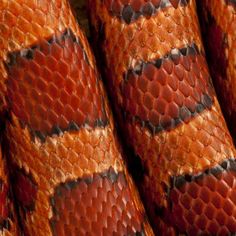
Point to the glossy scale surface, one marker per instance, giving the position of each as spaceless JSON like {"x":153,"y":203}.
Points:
{"x":156,"y":72}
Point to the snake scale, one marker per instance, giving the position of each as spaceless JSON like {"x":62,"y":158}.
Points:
{"x":65,"y":161}
{"x":218,"y":24}
{"x":153,"y":61}
{"x":67,"y":172}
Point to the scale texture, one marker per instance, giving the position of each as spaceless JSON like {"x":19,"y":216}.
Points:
{"x":218,"y":23}
{"x":68,"y":174}
{"x":8,"y":221}
{"x":155,"y":69}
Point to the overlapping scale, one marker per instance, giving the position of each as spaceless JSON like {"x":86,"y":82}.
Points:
{"x":65,"y":159}
{"x":168,"y":113}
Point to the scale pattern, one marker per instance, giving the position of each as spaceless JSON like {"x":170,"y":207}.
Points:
{"x":156,"y":72}
{"x":218,"y":23}
{"x":68,"y":174}
{"x":8,"y":221}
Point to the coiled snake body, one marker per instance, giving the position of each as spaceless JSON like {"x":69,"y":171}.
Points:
{"x":66,"y":163}
{"x":155,"y":68}
{"x":218,"y":23}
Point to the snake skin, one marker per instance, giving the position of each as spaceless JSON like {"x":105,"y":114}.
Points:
{"x":68,"y":174}
{"x":80,"y":11}
{"x":218,"y":24}
{"x":8,"y":221}
{"x":154,"y":63}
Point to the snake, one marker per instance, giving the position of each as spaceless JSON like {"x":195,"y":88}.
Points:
{"x":65,"y":161}
{"x":153,"y":62}
{"x":8,"y":218}
{"x":218,"y":22}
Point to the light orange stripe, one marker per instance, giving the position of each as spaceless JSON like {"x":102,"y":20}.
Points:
{"x":188,"y":149}
{"x":146,"y":39}
{"x":58,"y":160}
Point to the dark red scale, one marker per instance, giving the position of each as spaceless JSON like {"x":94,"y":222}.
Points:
{"x":50,"y":94}
{"x":96,"y":205}
{"x":205,"y":203}
{"x":25,"y":190}
{"x":169,"y":91}
{"x":216,"y":50}
{"x":4,"y":201}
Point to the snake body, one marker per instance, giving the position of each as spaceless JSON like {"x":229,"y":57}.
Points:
{"x":8,"y":220}
{"x":154,"y":63}
{"x":218,"y":23}
{"x":68,"y":174}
